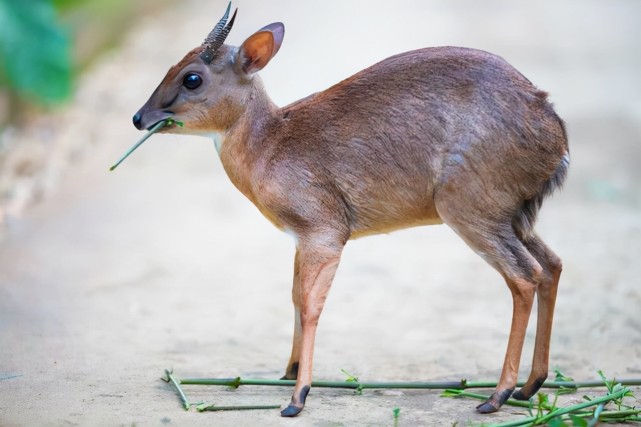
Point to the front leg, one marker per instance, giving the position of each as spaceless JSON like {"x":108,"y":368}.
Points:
{"x":314,"y":272}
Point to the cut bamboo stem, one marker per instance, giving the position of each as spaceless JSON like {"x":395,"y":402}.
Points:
{"x":511,"y":402}
{"x":176,"y":384}
{"x":452,"y":389}
{"x":236,"y":382}
{"x":213,"y":407}
{"x":457,"y":385}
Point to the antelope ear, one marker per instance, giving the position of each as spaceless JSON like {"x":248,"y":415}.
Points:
{"x":260,"y":48}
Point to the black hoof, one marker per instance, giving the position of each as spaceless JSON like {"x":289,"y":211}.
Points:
{"x":529,"y":390}
{"x":297,"y":404}
{"x":520,"y":395}
{"x":291,"y":411}
{"x":487,"y":408}
{"x":291,"y":373}
{"x":495,"y":401}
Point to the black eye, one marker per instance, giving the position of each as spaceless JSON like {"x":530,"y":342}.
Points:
{"x":192,"y":81}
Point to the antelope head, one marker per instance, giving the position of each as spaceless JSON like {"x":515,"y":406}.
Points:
{"x":210,"y":88}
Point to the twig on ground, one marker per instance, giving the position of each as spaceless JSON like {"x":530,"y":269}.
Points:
{"x":444,"y":385}
{"x":213,"y":407}
{"x":176,"y":384}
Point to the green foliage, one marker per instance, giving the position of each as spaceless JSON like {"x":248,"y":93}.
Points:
{"x":353,"y":379}
{"x":35,"y":60}
{"x":614,"y":387}
{"x":170,"y":121}
{"x":66,"y":4}
{"x":561,"y":377}
{"x":350,"y":378}
{"x":396,"y":412}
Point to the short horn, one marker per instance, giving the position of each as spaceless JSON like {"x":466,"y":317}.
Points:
{"x":218,"y":28}
{"x":217,"y":36}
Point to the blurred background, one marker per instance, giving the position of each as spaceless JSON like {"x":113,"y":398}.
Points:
{"x":163,"y":263}
{"x":45,"y":47}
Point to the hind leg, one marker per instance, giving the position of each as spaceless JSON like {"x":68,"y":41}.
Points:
{"x":546,"y":298}
{"x":493,"y":238}
{"x":291,"y":372}
{"x":521,"y":275}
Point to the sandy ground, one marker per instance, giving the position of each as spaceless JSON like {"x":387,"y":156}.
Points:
{"x":163,"y":264}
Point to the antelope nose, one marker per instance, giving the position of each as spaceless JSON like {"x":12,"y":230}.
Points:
{"x":137,"y":121}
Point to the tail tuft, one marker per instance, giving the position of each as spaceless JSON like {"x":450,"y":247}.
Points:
{"x":524,"y":222}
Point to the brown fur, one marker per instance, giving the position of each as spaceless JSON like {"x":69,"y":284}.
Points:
{"x":435,"y":135}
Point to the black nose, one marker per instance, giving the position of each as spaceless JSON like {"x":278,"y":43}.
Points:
{"x":137,"y":120}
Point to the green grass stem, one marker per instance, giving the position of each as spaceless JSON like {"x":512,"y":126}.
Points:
{"x":213,"y":407}
{"x":236,"y":382}
{"x":511,"y":402}
{"x":560,"y":412}
{"x":155,"y":128}
{"x":176,"y":383}
{"x":457,"y":385}
{"x":451,"y":389}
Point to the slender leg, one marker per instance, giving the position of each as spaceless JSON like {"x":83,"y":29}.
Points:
{"x":490,"y":234}
{"x":546,"y":298}
{"x":291,"y":372}
{"x":523,"y":298}
{"x":316,"y":269}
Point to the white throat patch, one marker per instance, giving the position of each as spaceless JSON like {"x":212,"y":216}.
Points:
{"x":218,"y":138}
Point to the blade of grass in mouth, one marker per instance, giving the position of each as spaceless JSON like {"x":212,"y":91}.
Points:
{"x":155,"y":128}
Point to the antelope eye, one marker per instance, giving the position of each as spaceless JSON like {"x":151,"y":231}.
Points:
{"x":192,"y":81}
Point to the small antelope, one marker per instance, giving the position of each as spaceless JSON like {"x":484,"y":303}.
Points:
{"x":437,"y":135}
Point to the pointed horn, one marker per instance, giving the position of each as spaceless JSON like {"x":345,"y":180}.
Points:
{"x":218,"y":28}
{"x":220,"y":38}
{"x":217,"y":36}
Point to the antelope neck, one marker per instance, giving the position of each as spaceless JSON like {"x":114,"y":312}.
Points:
{"x":259,"y":108}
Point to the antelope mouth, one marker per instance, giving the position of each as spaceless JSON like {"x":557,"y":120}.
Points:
{"x":148,"y":119}
{"x":157,"y":117}
{"x":169,"y":123}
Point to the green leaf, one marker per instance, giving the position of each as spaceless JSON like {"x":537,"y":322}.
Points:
{"x":561,"y":377}
{"x":565,"y":390}
{"x":578,"y":421}
{"x":170,"y":121}
{"x":35,"y":58}
{"x":543,"y":399}
{"x":236,"y":383}
{"x":557,"y":422}
{"x":609,"y":384}
{"x":350,"y":378}
{"x":451,"y":393}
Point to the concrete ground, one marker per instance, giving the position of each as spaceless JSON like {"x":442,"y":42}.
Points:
{"x":163,"y":264}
